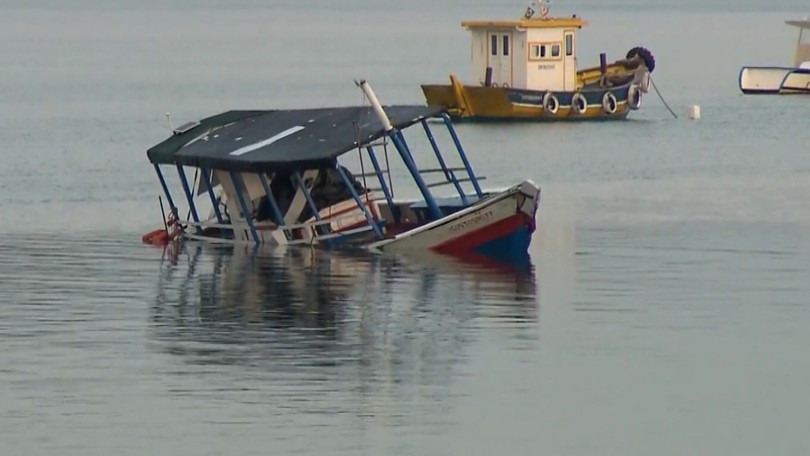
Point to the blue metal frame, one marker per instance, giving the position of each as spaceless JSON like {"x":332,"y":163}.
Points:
{"x":172,"y":207}
{"x":448,"y":174}
{"x":271,"y":201}
{"x":388,"y":196}
{"x":463,"y":156}
{"x":190,"y":198}
{"x":299,"y":181}
{"x":211,"y":194}
{"x":405,"y":153}
{"x":214,"y":201}
{"x":360,"y":204}
{"x":237,"y":185}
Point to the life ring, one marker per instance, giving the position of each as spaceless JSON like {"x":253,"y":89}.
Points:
{"x":634,"y":96}
{"x":609,"y":103}
{"x":148,"y":237}
{"x":579,"y":104}
{"x":550,"y":103}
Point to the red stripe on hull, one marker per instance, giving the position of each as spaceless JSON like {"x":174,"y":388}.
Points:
{"x":488,"y":233}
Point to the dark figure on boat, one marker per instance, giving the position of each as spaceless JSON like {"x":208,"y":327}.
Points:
{"x":327,"y":190}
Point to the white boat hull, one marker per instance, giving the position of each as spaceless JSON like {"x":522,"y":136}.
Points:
{"x":774,"y":80}
{"x":500,"y":225}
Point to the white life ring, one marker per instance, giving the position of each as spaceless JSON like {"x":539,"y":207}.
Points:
{"x":634,"y":96}
{"x":579,"y":104}
{"x":609,"y":103}
{"x":550,"y":103}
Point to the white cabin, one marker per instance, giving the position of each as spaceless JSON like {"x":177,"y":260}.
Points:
{"x":535,"y":54}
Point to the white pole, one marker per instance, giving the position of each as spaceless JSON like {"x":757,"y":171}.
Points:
{"x":375,"y":104}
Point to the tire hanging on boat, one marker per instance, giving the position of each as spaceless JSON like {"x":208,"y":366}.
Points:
{"x":645,"y":54}
{"x":550,"y":103}
{"x":579,"y":104}
{"x":634,"y":96}
{"x":609,"y":103}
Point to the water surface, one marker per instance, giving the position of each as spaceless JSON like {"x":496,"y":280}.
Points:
{"x":663,"y":312}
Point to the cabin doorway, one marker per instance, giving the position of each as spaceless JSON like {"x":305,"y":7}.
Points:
{"x":570,"y":62}
{"x":499,"y":57}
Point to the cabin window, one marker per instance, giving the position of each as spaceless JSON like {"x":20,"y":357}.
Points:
{"x":545,"y":51}
{"x":505,"y":45}
{"x":494,"y":47}
{"x":569,"y":44}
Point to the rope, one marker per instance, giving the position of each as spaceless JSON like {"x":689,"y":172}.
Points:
{"x":662,"y":98}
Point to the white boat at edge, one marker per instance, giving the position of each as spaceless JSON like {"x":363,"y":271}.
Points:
{"x":779,"y":79}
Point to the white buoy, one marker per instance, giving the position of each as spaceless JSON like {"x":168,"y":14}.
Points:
{"x":694,"y":112}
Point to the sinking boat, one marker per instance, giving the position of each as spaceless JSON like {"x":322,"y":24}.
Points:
{"x":273,"y":177}
{"x":781,"y":80}
{"x":527,"y":70}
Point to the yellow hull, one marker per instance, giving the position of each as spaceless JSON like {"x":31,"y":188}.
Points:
{"x":498,"y":103}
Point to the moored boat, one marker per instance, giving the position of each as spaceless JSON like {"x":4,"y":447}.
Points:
{"x":781,"y":80}
{"x":526,"y":69}
{"x":274,"y":177}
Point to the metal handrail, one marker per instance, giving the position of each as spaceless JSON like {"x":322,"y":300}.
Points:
{"x":464,"y":179}
{"x":440,"y":170}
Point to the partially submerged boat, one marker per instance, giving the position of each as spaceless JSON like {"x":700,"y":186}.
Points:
{"x":779,"y":79}
{"x":273,"y":177}
{"x":527,"y":70}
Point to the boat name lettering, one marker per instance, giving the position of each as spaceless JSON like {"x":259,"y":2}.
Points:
{"x":546,"y":66}
{"x":526,"y":97}
{"x":471,"y":221}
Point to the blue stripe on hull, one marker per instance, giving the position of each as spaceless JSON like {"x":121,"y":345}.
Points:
{"x":605,"y":118}
{"x":510,"y":248}
{"x":592,"y":96}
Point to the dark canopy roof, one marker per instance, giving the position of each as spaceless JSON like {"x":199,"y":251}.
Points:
{"x":271,"y":140}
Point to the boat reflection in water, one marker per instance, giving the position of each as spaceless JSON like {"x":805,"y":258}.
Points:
{"x":297,"y":309}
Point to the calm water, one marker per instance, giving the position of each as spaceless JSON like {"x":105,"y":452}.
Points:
{"x":664,"y":312}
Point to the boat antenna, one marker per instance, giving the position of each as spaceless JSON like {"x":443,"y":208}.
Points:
{"x":169,"y":116}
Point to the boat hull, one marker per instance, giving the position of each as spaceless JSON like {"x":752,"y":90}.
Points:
{"x":499,"y":226}
{"x":482,"y":103}
{"x":774,"y":80}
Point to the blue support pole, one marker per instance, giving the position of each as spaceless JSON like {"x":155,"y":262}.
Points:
{"x":388,"y":196}
{"x":300,"y":183}
{"x":463,"y":156}
{"x":213,"y":197}
{"x":271,"y":202}
{"x":360,"y":204}
{"x":449,"y":175}
{"x":237,"y":185}
{"x":402,"y":148}
{"x":189,"y":196}
{"x":172,"y":207}
{"x":214,"y":201}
